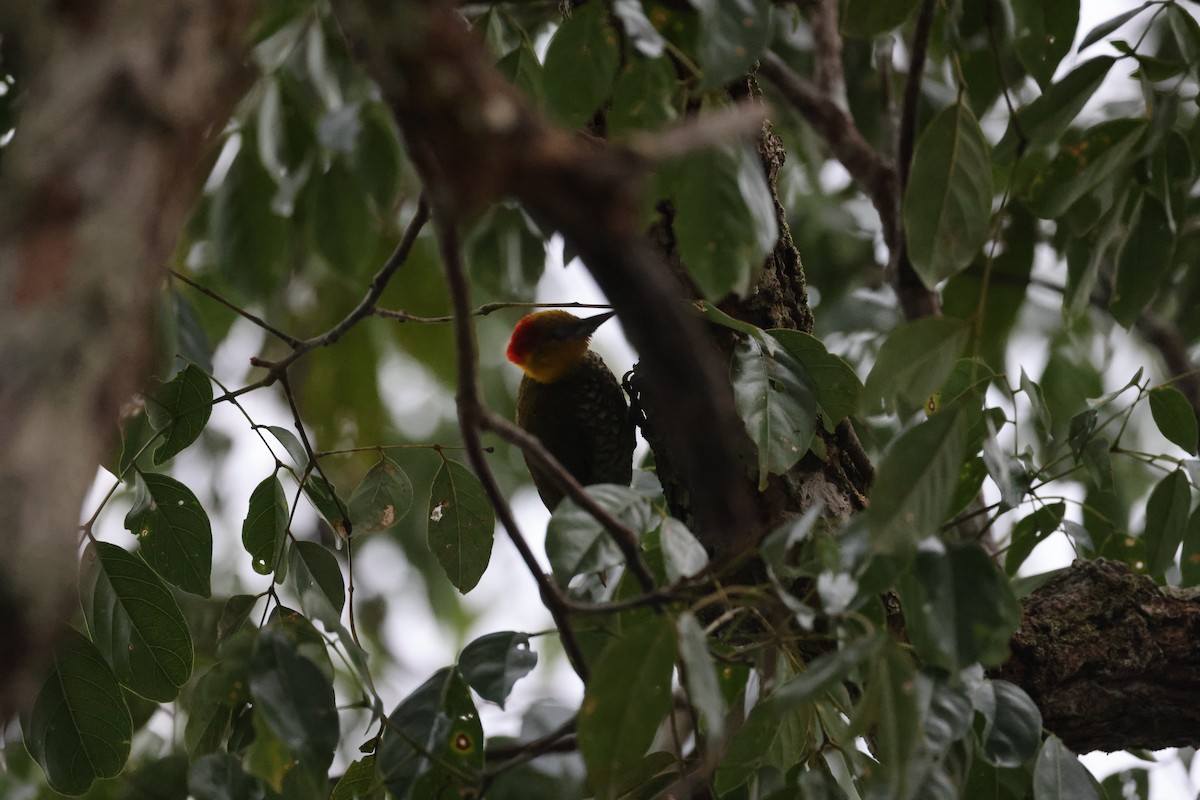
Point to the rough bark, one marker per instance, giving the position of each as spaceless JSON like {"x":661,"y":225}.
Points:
{"x":1111,"y":659}
{"x":121,"y":99}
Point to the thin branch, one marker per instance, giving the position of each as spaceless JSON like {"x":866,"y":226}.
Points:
{"x":471,"y":413}
{"x":559,"y":740}
{"x":827,"y":51}
{"x":701,"y":132}
{"x":291,"y":341}
{"x":482,"y":311}
{"x":621,"y":533}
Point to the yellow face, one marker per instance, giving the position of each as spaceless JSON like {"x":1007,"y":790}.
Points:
{"x":549,"y":345}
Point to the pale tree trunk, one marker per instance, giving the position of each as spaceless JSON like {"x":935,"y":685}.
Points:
{"x":120,"y":102}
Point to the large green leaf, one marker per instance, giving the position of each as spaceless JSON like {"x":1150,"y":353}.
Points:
{"x":1012,"y":728}
{"x":264,"y":531}
{"x":173,"y":532}
{"x":135,"y":622}
{"x":839,"y":391}
{"x":249,"y":239}
{"x":1047,"y":118}
{"x":733,"y":34}
{"x":179,"y":410}
{"x":777,"y":401}
{"x":581,"y":64}
{"x":914,"y":362}
{"x":80,"y":728}
{"x":1044,"y":32}
{"x":293,"y":698}
{"x":492,"y":664}
{"x":317,"y":578}
{"x":626,"y":699}
{"x":382,"y":498}
{"x":916,"y":481}
{"x":1174,"y":416}
{"x":948,"y":201}
{"x":1145,"y":260}
{"x":1082,"y":164}
{"x":958,"y":606}
{"x":1166,"y":520}
{"x":1059,"y":775}
{"x":433,"y":741}
{"x":724,"y":218}
{"x":342,"y":224}
{"x":360,"y":781}
{"x":576,"y":543}
{"x":461,"y":525}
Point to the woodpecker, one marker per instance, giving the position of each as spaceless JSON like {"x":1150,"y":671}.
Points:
{"x":571,"y":401}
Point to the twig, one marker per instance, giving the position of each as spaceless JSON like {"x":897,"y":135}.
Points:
{"x":482,"y":311}
{"x":700,"y":132}
{"x":621,"y":533}
{"x":235,"y":308}
{"x":471,"y":413}
{"x":827,"y":51}
{"x":558,"y":740}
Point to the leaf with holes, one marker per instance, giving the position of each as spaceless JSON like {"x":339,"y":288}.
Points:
{"x":264,"y":531}
{"x":173,"y":532}
{"x":382,"y":499}
{"x":492,"y":664}
{"x":461,"y":525}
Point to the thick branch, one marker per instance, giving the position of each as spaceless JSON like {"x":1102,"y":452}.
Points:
{"x":120,"y":102}
{"x":1111,"y":659}
{"x":475,"y":139}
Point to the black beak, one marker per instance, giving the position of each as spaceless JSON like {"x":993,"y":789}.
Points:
{"x":587,"y":327}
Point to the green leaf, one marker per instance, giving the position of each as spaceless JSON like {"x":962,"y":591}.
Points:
{"x":581,"y":63}
{"x":1174,"y":416}
{"x":777,"y":401}
{"x":461,"y":525}
{"x":958,"y":606}
{"x":1105,"y":28}
{"x":765,"y":739}
{"x":293,"y":698}
{"x":1044,"y":32}
{"x":492,"y":664}
{"x":382,"y":499}
{"x":839,"y":391}
{"x":699,"y":676}
{"x":360,"y":781}
{"x":523,"y":70}
{"x":318,"y":581}
{"x":643,"y":97}
{"x":946,"y":713}
{"x":724,"y":218}
{"x":173,"y":532}
{"x":733,"y":34}
{"x":1059,"y":775}
{"x":1080,"y":166}
{"x":576,"y":543}
{"x":135,"y":622}
{"x":433,"y":730}
{"x":683,"y":555}
{"x":249,"y":239}
{"x":949,"y":198}
{"x":888,"y":710}
{"x":1012,"y":728}
{"x":264,"y":531}
{"x":868,"y":18}
{"x":291,"y":444}
{"x":627,"y":697}
{"x":504,"y":253}
{"x":80,"y":728}
{"x":216,"y":696}
{"x":233,"y":614}
{"x":1037,"y":403}
{"x":1030,"y":532}
{"x":342,"y":224}
{"x":822,"y":674}
{"x":179,"y":410}
{"x":1146,"y":258}
{"x":1166,"y":520}
{"x":916,"y":481}
{"x":915,"y":361}
{"x":377,"y":159}
{"x":1047,"y":118}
